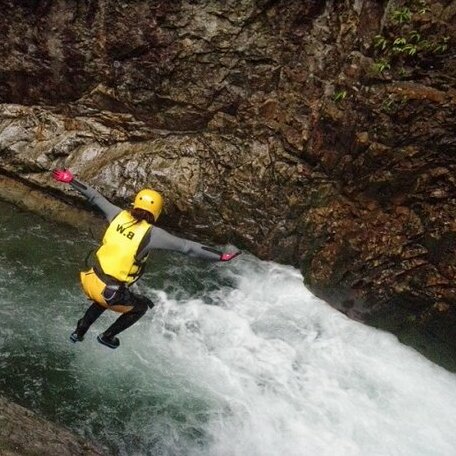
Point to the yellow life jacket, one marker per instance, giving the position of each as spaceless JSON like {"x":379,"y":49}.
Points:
{"x":117,"y":254}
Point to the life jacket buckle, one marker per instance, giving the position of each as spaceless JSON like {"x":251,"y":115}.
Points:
{"x":110,"y":293}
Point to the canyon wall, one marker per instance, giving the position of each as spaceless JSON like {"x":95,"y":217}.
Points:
{"x":314,"y":133}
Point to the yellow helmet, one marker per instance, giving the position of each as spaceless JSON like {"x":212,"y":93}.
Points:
{"x":149,"y":200}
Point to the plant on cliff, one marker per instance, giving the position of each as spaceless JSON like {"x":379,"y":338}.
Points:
{"x":392,"y":104}
{"x":381,"y":66}
{"x":441,"y":46}
{"x":400,"y":45}
{"x":423,"y":7}
{"x":409,"y":40}
{"x":408,"y":45}
{"x":380,"y":42}
{"x":340,"y":95}
{"x":401,"y":15}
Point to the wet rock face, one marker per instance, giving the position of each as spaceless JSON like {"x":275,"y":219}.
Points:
{"x":22,"y":433}
{"x":316,"y":133}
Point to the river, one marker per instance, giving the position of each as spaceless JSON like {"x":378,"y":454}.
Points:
{"x":236,"y":359}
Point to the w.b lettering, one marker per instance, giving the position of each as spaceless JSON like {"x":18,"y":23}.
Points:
{"x":121,"y":229}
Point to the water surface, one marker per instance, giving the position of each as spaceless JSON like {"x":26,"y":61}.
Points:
{"x":235,"y":359}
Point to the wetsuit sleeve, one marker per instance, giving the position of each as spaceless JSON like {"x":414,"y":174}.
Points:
{"x":161,"y":239}
{"x":97,"y":199}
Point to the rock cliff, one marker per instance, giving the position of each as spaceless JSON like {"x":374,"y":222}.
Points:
{"x":22,"y":433}
{"x":315,"y":133}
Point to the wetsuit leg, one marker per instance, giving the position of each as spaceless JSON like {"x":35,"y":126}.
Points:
{"x":91,"y":315}
{"x":140,"y":305}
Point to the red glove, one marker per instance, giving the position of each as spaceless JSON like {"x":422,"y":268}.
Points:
{"x":229,"y":256}
{"x":62,"y":175}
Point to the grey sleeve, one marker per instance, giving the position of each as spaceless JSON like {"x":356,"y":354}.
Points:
{"x":161,"y":239}
{"x":97,"y":199}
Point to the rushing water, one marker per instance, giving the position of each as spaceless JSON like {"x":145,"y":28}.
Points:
{"x":235,"y":359}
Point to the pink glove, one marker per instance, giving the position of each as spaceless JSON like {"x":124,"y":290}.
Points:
{"x":62,"y":175}
{"x":229,"y":256}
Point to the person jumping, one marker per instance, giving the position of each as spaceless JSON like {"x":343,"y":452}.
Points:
{"x":120,"y":260}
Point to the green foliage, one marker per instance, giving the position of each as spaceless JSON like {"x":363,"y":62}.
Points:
{"x":441,"y":47}
{"x":410,"y":49}
{"x":408,"y":42}
{"x":423,"y":7}
{"x":399,"y":41}
{"x":398,"y":44}
{"x":381,"y":66}
{"x":387,"y":105}
{"x":401,"y":16}
{"x":409,"y":46}
{"x":340,"y":95}
{"x":392,"y":104}
{"x":414,"y":37}
{"x":380,"y":42}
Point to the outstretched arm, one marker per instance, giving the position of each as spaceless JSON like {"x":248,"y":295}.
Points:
{"x":161,"y":239}
{"x":93,"y":196}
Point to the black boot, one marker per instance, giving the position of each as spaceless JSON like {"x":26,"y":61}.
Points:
{"x":127,"y":319}
{"x":75,"y":337}
{"x":109,"y":341}
{"x":92,"y":313}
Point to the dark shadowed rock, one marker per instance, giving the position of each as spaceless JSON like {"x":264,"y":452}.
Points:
{"x":22,"y":433}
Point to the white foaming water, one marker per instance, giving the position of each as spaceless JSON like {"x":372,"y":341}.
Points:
{"x":267,"y":369}
{"x":248,"y":364}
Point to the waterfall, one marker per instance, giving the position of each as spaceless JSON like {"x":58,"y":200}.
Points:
{"x":236,"y":358}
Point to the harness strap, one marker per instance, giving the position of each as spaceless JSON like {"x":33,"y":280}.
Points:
{"x":107,"y":279}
